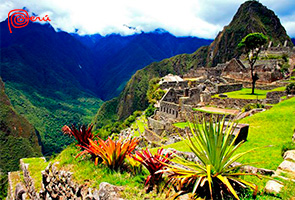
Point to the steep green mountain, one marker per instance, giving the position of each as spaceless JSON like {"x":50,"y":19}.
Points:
{"x":18,"y":138}
{"x":49,"y":80}
{"x":252,"y":16}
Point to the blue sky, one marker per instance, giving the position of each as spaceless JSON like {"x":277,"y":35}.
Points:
{"x":202,"y":18}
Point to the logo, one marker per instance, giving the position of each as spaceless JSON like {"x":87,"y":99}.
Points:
{"x":19,"y":18}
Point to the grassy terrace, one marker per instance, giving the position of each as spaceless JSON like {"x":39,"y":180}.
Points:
{"x":272,"y":128}
{"x":36,"y":165}
{"x":245,"y":93}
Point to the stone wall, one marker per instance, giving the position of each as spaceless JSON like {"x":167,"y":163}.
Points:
{"x":174,"y":84}
{"x":58,"y":184}
{"x":274,"y":97}
{"x":169,"y":109}
{"x":233,"y":103}
{"x":29,"y":182}
{"x":157,"y":126}
{"x":228,"y":88}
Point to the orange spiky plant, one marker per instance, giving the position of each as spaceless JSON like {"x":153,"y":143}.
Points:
{"x":110,"y":151}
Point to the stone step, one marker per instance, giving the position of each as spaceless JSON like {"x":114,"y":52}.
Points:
{"x":290,"y":155}
{"x":288,"y":166}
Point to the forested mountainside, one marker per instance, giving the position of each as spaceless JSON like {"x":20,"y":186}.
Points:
{"x":252,"y":16}
{"x":18,"y":138}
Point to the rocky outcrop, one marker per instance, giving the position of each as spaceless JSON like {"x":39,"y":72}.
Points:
{"x":109,"y":192}
{"x":57,"y":184}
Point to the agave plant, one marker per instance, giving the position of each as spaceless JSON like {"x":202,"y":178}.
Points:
{"x":214,"y":175}
{"x":82,"y":134}
{"x":111,"y":152}
{"x":153,"y":163}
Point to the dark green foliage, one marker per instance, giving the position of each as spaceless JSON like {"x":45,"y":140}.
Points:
{"x":251,"y":106}
{"x":290,"y":89}
{"x":51,"y":111}
{"x":3,"y":185}
{"x":150,"y":110}
{"x":253,"y":41}
{"x":252,"y":45}
{"x":288,"y":146}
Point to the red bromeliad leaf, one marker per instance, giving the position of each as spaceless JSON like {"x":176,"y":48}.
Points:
{"x":153,"y":163}
{"x":81,"y":135}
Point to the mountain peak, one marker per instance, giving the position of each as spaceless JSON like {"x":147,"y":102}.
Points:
{"x":251,"y":17}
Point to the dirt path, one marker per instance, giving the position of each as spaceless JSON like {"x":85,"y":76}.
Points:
{"x":221,"y":110}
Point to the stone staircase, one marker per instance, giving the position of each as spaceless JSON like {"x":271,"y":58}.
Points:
{"x":285,"y":171}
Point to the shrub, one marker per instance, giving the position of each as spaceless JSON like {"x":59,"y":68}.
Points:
{"x":111,"y":152}
{"x":251,"y":106}
{"x":213,"y":176}
{"x":150,"y":110}
{"x":290,"y":89}
{"x":82,"y":134}
{"x":153,"y":163}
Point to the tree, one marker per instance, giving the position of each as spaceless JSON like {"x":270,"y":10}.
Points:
{"x":252,"y":44}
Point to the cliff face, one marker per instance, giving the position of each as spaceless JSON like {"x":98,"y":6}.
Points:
{"x":18,"y":138}
{"x":251,"y":17}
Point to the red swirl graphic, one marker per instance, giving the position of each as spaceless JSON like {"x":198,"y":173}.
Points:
{"x":18,"y":18}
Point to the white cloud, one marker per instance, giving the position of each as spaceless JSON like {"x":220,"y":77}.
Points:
{"x":202,"y":18}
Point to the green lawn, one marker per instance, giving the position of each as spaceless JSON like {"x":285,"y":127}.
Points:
{"x":245,"y":93}
{"x":271,"y":128}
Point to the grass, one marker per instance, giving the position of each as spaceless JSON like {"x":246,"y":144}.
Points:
{"x":245,"y":93}
{"x":36,"y":165}
{"x":270,"y":129}
{"x":140,"y":123}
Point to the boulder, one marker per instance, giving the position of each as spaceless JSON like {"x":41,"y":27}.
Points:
{"x":273,"y":187}
{"x":287,"y":166}
{"x":109,"y":192}
{"x":290,"y":155}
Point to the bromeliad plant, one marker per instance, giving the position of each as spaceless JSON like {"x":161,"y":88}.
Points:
{"x":214,"y":176}
{"x":82,"y":134}
{"x":153,"y":163}
{"x":110,"y":151}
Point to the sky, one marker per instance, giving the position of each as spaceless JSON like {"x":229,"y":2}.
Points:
{"x":201,"y":18}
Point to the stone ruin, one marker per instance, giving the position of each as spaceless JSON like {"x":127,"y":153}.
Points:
{"x":58,"y":184}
